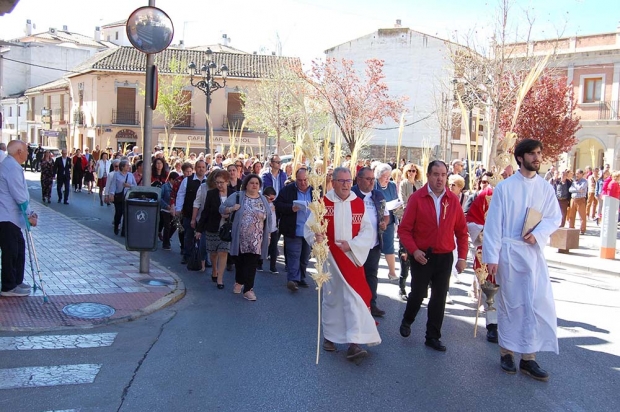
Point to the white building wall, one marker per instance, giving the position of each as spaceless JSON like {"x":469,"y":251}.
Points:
{"x":414,"y":63}
{"x":42,"y":63}
{"x":14,"y":125}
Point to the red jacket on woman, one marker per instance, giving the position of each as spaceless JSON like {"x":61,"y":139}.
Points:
{"x":418,"y":228}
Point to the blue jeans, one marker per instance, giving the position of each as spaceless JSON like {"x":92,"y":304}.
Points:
{"x":297,"y":257}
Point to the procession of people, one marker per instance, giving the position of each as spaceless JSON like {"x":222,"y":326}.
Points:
{"x":374,"y":211}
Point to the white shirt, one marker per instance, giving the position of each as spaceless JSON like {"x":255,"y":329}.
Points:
{"x":372,"y":211}
{"x":437,"y":200}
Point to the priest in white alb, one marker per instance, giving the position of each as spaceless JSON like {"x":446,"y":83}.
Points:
{"x":526,"y":316}
{"x":346,"y":297}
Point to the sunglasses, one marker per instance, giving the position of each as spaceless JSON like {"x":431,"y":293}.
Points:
{"x":484,"y":182}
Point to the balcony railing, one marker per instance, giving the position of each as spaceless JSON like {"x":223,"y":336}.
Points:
{"x":187,"y":122}
{"x":125,"y":117}
{"x":233,"y":121}
{"x":78,"y":117}
{"x":609,"y":110}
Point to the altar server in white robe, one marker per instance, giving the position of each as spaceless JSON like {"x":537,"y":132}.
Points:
{"x":346,"y":297}
{"x":526,"y":315}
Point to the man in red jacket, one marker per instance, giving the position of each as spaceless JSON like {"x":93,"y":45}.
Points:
{"x":433,"y":217}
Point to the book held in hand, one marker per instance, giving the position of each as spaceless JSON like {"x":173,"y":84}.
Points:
{"x":532,"y":218}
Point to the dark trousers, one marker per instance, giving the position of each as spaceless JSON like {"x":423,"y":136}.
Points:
{"x":273,"y":249}
{"x":166,"y":220}
{"x":245,"y":270}
{"x":13,"y":249}
{"x":297,"y":257}
{"x":188,"y":241}
{"x":564,"y":205}
{"x":371,"y":268}
{"x":60,"y":182}
{"x":119,"y":210}
{"x":436,"y":271}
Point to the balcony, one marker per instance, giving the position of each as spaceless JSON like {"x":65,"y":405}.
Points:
{"x":233,"y":121}
{"x":78,"y":117}
{"x":609,"y":110}
{"x":125,"y":117}
{"x":188,"y":121}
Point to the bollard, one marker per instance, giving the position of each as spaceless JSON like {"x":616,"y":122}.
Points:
{"x":609,"y":227}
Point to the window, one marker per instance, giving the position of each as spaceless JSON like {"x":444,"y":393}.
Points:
{"x":592,"y":90}
{"x":116,"y":36}
{"x":19,"y":111}
{"x":10,"y":111}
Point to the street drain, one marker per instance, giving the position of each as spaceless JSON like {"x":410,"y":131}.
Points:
{"x":155,"y":282}
{"x":88,"y":310}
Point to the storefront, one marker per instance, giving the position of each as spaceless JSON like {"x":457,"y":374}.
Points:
{"x":219,"y":143}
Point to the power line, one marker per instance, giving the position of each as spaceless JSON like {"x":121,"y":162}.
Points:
{"x":407,"y":125}
{"x":37,"y":65}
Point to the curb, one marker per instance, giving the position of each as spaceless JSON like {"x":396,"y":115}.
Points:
{"x":587,"y":269}
{"x":171,"y":298}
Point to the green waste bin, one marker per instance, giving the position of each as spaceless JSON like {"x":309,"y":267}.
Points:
{"x":142,"y":218}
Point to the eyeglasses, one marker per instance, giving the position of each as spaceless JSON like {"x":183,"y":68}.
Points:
{"x":411,"y":171}
{"x":343,"y":181}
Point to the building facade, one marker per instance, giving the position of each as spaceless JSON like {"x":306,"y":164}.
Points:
{"x":415,"y":65}
{"x":591,"y":64}
{"x":107,"y":101}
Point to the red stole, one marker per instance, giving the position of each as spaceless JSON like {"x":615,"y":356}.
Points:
{"x":353,"y":275}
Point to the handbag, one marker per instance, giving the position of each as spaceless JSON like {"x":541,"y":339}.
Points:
{"x":225,"y":231}
{"x":120,"y":197}
{"x":195,"y":262}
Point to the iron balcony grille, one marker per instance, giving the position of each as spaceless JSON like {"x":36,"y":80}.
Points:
{"x":609,"y":110}
{"x":125,"y":117}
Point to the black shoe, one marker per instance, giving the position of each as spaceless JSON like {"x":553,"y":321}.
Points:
{"x":220,"y":286}
{"x":166,"y":247}
{"x":492,"y":333}
{"x":302,"y":284}
{"x":208,"y":265}
{"x":329,"y":346}
{"x":59,"y":200}
{"x":356,"y":352}
{"x":405,"y":329}
{"x":122,"y":234}
{"x":292,"y":286}
{"x":508,"y":364}
{"x":184,"y":261}
{"x":435,"y":344}
{"x":375,"y":311}
{"x":49,"y":200}
{"x":274,"y":271}
{"x":66,"y":202}
{"x":116,"y":230}
{"x":532,"y":369}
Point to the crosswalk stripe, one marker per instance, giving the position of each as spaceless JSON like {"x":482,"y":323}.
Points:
{"x":94,"y":340}
{"x":31,"y":377}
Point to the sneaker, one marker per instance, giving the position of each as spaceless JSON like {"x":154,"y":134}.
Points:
{"x":24,"y":287}
{"x":166,"y":247}
{"x":15,"y":292}
{"x":250,"y":295}
{"x":237,"y":288}
{"x":274,"y":271}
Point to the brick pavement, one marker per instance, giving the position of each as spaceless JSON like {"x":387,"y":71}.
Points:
{"x":79,"y":265}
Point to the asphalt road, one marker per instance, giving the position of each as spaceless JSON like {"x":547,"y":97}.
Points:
{"x":215,"y":351}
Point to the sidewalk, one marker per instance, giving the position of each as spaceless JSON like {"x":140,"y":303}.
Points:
{"x":80,"y":266}
{"x":586,"y":258}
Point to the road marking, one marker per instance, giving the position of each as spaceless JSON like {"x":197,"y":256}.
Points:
{"x":95,"y":340}
{"x":48,"y":376}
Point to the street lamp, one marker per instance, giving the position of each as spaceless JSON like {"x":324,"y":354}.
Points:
{"x":207,"y":84}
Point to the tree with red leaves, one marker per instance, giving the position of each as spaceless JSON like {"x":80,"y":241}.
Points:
{"x":354,"y":104}
{"x":547,"y":114}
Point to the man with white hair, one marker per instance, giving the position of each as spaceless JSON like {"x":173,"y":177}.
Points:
{"x":14,"y":198}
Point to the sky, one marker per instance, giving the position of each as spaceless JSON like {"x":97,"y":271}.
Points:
{"x":306,"y":28}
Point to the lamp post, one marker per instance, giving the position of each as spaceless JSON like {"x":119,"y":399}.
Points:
{"x":208,"y":85}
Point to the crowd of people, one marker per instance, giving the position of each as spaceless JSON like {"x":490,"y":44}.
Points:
{"x":233,"y":210}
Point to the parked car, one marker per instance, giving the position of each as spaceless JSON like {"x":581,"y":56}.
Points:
{"x":55,"y":151}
